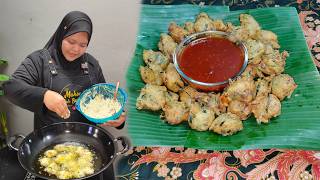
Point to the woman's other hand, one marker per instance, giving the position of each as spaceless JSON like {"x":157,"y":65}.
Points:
{"x":56,"y":103}
{"x":116,"y":123}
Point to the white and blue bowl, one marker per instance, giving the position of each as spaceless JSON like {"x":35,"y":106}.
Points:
{"x":107,"y":90}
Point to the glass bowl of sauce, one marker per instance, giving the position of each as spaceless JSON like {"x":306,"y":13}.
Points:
{"x":208,"y":60}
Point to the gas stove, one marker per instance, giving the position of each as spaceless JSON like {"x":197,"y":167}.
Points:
{"x":10,"y":168}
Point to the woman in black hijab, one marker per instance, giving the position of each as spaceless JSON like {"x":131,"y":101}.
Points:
{"x":49,"y":80}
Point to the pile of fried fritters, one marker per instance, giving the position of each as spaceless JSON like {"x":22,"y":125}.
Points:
{"x":258,"y":90}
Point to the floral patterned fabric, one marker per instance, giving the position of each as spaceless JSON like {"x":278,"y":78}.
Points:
{"x":185,"y":163}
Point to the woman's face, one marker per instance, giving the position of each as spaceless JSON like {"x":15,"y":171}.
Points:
{"x":74,"y":45}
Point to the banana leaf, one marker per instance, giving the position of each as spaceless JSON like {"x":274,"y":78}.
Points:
{"x":3,"y":77}
{"x":298,"y":125}
{"x":2,"y":61}
{"x":3,"y":129}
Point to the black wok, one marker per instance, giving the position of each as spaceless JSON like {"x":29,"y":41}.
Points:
{"x":97,"y":139}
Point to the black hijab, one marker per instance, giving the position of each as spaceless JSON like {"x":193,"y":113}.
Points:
{"x":72,"y":23}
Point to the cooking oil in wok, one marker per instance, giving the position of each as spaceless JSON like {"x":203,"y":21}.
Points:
{"x":67,"y":161}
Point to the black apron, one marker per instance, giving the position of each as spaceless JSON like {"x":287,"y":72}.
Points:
{"x":69,"y":84}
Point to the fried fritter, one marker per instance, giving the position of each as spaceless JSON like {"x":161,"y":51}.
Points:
{"x":203,"y":109}
{"x":196,"y":107}
{"x":177,"y":33}
{"x":150,"y":76}
{"x":252,"y":71}
{"x":172,"y":79}
{"x":188,"y":94}
{"x":238,"y":33}
{"x":219,"y":25}
{"x":175,"y":112}
{"x":268,"y":49}
{"x":167,"y":45}
{"x":226,"y":124}
{"x":283,"y":86}
{"x":156,"y":64}
{"x":152,"y":97}
{"x":250,"y":24}
{"x":248,"y":29}
{"x":263,"y":87}
{"x":239,"y":108}
{"x":255,"y":50}
{"x":201,"y":120}
{"x":189,"y":26}
{"x":243,"y":89}
{"x":230,"y":27}
{"x":273,"y":63}
{"x":212,"y":102}
{"x":171,"y":96}
{"x":266,"y":107}
{"x":155,"y":58}
{"x":268,"y":37}
{"x":203,"y":23}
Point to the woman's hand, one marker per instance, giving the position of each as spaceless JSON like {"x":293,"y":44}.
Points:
{"x":56,"y":103}
{"x":117,"y":122}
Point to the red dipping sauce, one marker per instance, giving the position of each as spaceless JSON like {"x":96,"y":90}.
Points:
{"x":211,"y":59}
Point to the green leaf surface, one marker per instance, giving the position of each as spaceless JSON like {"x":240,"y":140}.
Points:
{"x":297,"y":127}
{"x":2,"y":61}
{"x":3,"y":77}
